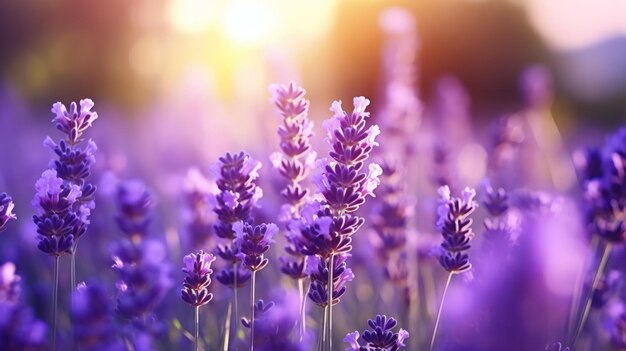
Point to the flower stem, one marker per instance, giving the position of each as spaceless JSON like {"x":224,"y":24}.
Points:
{"x":302,"y":307}
{"x":252,"y":286}
{"x":443,"y":299}
{"x":235,"y":309}
{"x":324,"y":323}
{"x":577,"y":295}
{"x":55,"y":302}
{"x":331,"y":290}
{"x":197,"y":327}
{"x":229,"y":311}
{"x":594,"y":285}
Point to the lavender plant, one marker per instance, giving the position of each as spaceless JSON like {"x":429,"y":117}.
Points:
{"x":74,"y":162}
{"x":236,"y":176}
{"x":343,"y":186}
{"x":293,"y":164}
{"x":455,"y":226}
{"x":196,"y":284}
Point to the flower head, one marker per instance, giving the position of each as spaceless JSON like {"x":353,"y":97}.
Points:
{"x":198,"y":270}
{"x":379,"y":338}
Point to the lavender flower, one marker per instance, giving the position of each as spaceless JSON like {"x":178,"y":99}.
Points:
{"x":293,"y":164}
{"x":455,"y":227}
{"x":380,"y":338}
{"x":6,"y":210}
{"x":10,"y":287}
{"x":196,"y":284}
{"x":236,"y":176}
{"x":57,"y":223}
{"x":295,"y":134}
{"x":253,"y":242}
{"x":609,"y":286}
{"x":92,"y":317}
{"x":318,"y":270}
{"x":73,"y":163}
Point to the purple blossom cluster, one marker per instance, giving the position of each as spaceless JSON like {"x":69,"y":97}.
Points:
{"x":380,"y":337}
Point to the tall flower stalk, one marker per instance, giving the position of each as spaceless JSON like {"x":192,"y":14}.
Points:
{"x":195,"y":286}
{"x":455,"y":226}
{"x":73,"y":163}
{"x":253,"y":243}
{"x":293,"y":164}
{"x":343,"y":185}
{"x":236,"y":176}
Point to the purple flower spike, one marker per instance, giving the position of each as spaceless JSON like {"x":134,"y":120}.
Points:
{"x":196,"y":284}
{"x":6,"y":210}
{"x":455,"y":227}
{"x":380,"y":338}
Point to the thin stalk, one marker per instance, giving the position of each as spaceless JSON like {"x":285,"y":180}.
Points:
{"x":443,"y":299}
{"x":229,"y":311}
{"x":324,"y":323}
{"x":252,"y":286}
{"x":55,"y":302}
{"x":235,"y":308}
{"x":331,"y":289}
{"x":197,"y":327}
{"x":578,"y":290}
{"x":302,"y":307}
{"x":594,"y":285}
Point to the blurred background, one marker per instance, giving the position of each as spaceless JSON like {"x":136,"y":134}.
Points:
{"x":129,"y":53}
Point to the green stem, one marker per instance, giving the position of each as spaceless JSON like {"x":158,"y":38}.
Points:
{"x":331,"y":289}
{"x":229,"y":311}
{"x":55,"y":302}
{"x":302,"y":308}
{"x":197,"y":327}
{"x":324,"y":323}
{"x":252,"y":286}
{"x":443,"y":299}
{"x":578,"y":291}
{"x":235,"y":307}
{"x":594,"y":285}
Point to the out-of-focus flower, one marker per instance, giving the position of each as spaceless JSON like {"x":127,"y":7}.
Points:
{"x":455,"y":227}
{"x":134,"y":204}
{"x":197,"y":217}
{"x":144,"y":277}
{"x":6,"y":210}
{"x":608,"y":287}
{"x":92,"y":319}
{"x":20,"y":330}
{"x":10,"y":288}
{"x":196,"y":284}
{"x":380,"y":337}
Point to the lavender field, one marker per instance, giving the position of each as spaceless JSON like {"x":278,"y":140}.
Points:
{"x":315,"y":175}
